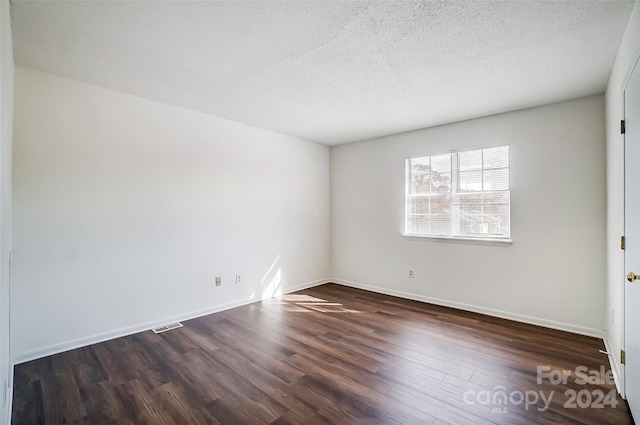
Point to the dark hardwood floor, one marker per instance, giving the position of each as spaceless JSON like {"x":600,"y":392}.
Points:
{"x":326,"y":355}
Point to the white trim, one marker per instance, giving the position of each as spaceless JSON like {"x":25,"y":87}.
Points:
{"x":614,"y":362}
{"x":82,"y":342}
{"x":457,"y":195}
{"x":105,"y":336}
{"x":456,"y":239}
{"x":9,"y":405}
{"x":623,"y":316}
{"x":636,"y":60}
{"x":307,"y":285}
{"x":457,"y":150}
{"x":597,"y":333}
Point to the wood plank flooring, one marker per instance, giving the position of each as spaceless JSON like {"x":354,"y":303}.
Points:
{"x":326,"y":355}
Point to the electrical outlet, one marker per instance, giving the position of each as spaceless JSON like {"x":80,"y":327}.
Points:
{"x":237,"y":279}
{"x":412,"y":273}
{"x":218,"y":281}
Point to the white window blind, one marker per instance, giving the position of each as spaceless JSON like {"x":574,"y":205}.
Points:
{"x":461,"y":194}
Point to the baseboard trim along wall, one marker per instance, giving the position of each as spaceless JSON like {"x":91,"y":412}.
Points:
{"x":9,"y":402}
{"x":94,"y":339}
{"x":615,"y":366}
{"x":597,"y":333}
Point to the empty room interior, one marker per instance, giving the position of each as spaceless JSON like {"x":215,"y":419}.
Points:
{"x":319,"y":212}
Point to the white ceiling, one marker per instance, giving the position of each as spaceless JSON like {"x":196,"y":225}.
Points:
{"x":328,"y":71}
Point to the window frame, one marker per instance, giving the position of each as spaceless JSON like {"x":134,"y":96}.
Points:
{"x":455,"y":191}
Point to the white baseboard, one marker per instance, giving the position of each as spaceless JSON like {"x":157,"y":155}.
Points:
{"x":93,"y":339}
{"x":615,"y":366}
{"x":9,"y":405}
{"x":6,"y":404}
{"x":105,"y":336}
{"x":598,"y":333}
{"x":307,"y":285}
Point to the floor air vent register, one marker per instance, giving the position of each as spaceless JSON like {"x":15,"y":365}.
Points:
{"x":168,"y":327}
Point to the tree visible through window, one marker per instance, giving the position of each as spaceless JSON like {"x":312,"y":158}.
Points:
{"x":462,"y":194}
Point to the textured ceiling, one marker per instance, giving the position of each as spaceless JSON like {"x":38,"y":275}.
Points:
{"x":331,"y":72}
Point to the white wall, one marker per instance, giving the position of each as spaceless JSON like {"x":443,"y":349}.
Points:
{"x":6,"y":123}
{"x":554,"y":271}
{"x":126,"y":209}
{"x":628,"y":52}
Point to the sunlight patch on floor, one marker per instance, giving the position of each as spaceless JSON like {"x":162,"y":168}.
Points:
{"x":299,"y":303}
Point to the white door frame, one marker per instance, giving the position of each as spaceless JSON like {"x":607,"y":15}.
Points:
{"x":625,"y":82}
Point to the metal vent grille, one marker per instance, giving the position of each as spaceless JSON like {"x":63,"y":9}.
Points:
{"x":168,"y":327}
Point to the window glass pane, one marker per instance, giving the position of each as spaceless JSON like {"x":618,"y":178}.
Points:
{"x":431,"y":174}
{"x":441,"y":163}
{"x":477,"y":207}
{"x":440,"y":182}
{"x":470,"y":181}
{"x":497,"y":157}
{"x":441,"y":173}
{"x":439,"y":215}
{"x":415,"y":208}
{"x":470,"y":160}
{"x":484,"y":214}
{"x":419,"y":205}
{"x":420,"y":175}
{"x":429,"y":215}
{"x":497,"y":179}
{"x":470,"y":214}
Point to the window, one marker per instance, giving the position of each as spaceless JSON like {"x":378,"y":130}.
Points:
{"x":459,"y":195}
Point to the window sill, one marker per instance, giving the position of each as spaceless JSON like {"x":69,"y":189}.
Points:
{"x":470,"y":241}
